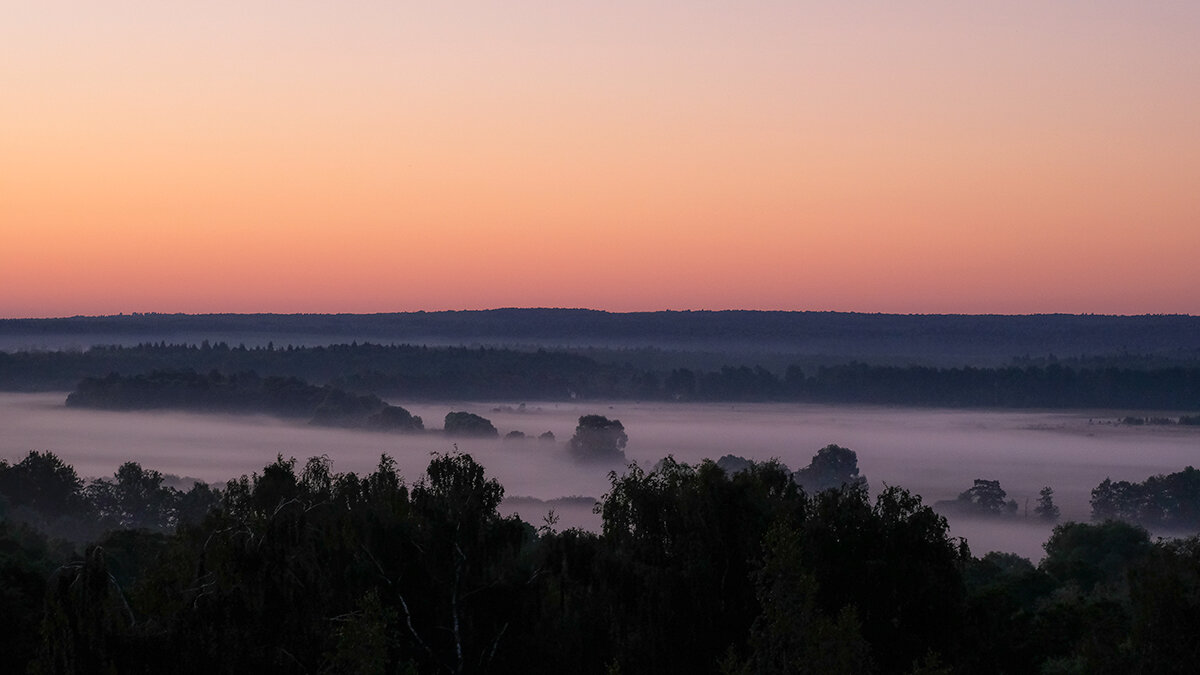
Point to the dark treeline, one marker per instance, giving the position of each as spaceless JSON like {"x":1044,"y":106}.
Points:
{"x":1051,"y":386}
{"x":1165,"y":502}
{"x":485,"y":373}
{"x":44,"y":492}
{"x":242,"y":393}
{"x":929,"y":339}
{"x":416,"y":370}
{"x":696,"y":570}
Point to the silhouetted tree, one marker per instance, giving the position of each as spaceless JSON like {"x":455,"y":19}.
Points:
{"x":831,"y":468}
{"x":469,"y":424}
{"x":395,"y":418}
{"x":598,"y":438}
{"x":196,"y":503}
{"x":1088,"y":555}
{"x":1168,"y":501}
{"x":135,"y":498}
{"x":1046,"y":508}
{"x":985,"y":497}
{"x":42,"y":483}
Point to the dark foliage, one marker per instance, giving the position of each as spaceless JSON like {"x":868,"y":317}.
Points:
{"x":940,"y":339}
{"x":44,"y":492}
{"x":598,"y":439}
{"x":831,"y":468}
{"x":163,"y":374}
{"x":26,"y":560}
{"x":41,"y":484}
{"x":299,"y":569}
{"x":984,"y":498}
{"x":241,"y":393}
{"x":1046,"y":509}
{"x":469,"y":424}
{"x":1170,"y":502}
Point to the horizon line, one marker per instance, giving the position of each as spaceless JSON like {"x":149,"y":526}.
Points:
{"x":131,"y":315}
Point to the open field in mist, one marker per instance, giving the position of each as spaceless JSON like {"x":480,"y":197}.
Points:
{"x":935,"y":453}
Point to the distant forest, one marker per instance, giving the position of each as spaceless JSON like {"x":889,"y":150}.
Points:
{"x":732,"y":337}
{"x":443,"y":373}
{"x":242,"y":393}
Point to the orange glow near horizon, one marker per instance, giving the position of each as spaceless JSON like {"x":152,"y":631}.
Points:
{"x":363,"y":157}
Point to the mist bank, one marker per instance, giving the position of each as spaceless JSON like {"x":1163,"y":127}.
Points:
{"x":742,"y":337}
{"x":935,"y":453}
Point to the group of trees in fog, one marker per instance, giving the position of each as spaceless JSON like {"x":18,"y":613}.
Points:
{"x":460,"y":373}
{"x":831,"y":468}
{"x":596,"y":438}
{"x":244,"y":392}
{"x":468,"y":424}
{"x":1167,"y":502}
{"x":1050,"y":386}
{"x":43,"y":491}
{"x":599,"y":439}
{"x":697,"y":569}
{"x":985,"y":498}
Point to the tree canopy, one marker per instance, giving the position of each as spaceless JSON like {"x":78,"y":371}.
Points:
{"x":598,"y":439}
{"x":299,"y":568}
{"x":469,"y":424}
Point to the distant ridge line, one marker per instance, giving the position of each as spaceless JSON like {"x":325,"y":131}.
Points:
{"x":584,"y":310}
{"x":942,"y":339}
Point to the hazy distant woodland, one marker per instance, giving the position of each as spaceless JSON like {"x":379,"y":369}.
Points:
{"x":711,"y":338}
{"x":218,"y":376}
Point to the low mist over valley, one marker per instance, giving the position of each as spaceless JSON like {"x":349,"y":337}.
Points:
{"x":935,"y":453}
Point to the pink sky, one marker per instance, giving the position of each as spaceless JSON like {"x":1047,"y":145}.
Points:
{"x":370,"y":156}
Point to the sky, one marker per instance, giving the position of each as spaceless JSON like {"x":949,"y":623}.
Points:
{"x":371,"y":156}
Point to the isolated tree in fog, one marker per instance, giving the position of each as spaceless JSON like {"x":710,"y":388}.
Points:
{"x":831,"y":468}
{"x":987,"y":496}
{"x":394,"y":417}
{"x":1046,"y":508}
{"x":469,"y":424}
{"x":599,"y":438}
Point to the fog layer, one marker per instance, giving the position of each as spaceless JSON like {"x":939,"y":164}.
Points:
{"x":935,"y":453}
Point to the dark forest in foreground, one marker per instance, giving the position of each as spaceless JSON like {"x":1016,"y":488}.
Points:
{"x":412,"y":372}
{"x":697,"y":569}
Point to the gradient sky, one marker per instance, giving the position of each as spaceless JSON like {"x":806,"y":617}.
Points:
{"x":361,"y":156}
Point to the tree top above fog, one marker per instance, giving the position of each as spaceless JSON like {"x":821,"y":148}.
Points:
{"x":598,"y":439}
{"x":831,"y":468}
